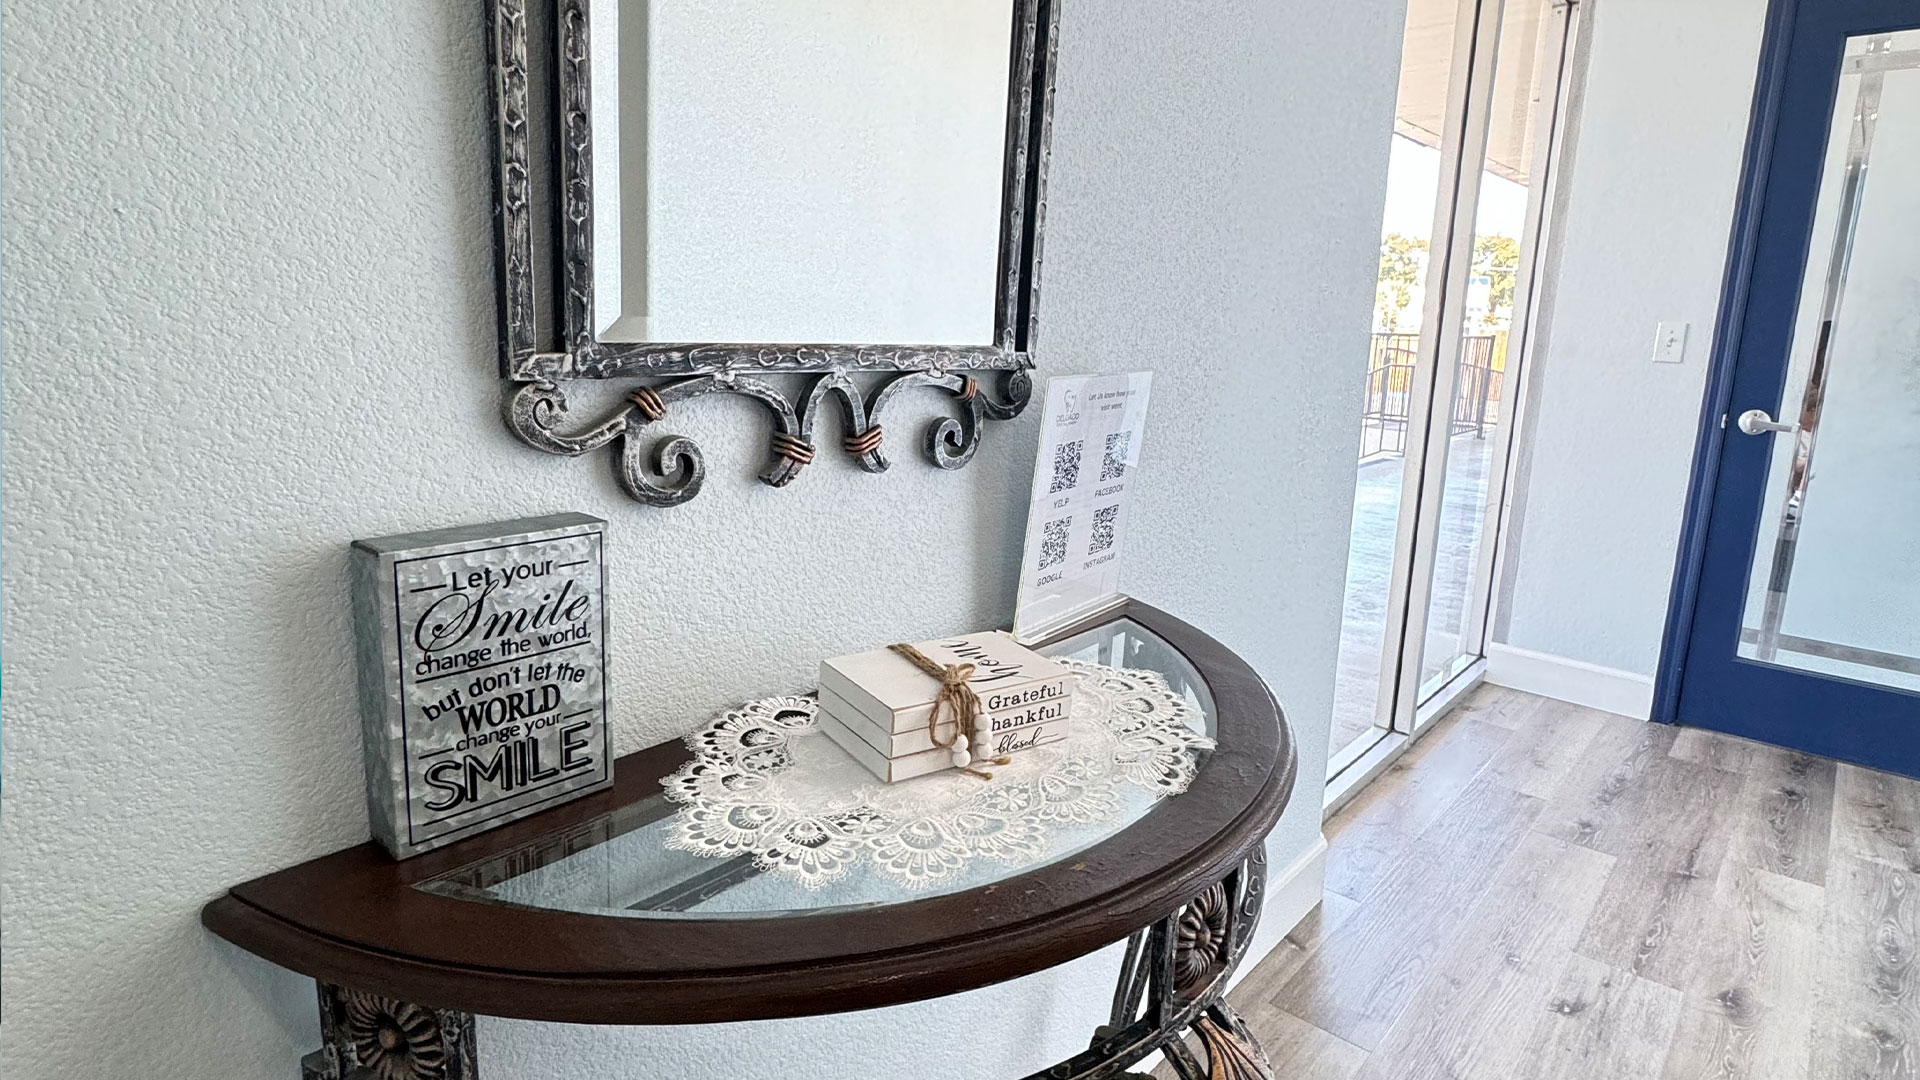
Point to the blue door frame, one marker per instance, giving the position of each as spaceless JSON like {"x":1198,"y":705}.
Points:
{"x":1701,"y":680}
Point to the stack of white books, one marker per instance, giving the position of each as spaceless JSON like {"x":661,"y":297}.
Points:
{"x":875,"y":705}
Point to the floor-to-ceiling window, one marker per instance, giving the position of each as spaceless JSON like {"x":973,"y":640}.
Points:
{"x":1414,"y":190}
{"x":1480,"y":86}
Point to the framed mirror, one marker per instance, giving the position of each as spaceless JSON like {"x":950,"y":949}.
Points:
{"x":816,"y":204}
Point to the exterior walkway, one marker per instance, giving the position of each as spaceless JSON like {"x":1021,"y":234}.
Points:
{"x":1376,"y":507}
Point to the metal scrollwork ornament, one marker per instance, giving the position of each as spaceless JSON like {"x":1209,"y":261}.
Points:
{"x":663,"y":469}
{"x":1232,"y":1051}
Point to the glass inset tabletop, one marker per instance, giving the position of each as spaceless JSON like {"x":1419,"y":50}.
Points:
{"x":619,"y":863}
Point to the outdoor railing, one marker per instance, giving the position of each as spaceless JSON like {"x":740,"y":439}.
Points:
{"x":1384,"y":418}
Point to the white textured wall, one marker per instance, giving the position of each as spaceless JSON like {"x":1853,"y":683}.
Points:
{"x":1641,"y":237}
{"x":248,"y":318}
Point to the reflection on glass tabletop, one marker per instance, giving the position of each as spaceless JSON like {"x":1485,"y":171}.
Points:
{"x":619,"y":863}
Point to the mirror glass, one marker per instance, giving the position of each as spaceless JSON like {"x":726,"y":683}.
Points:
{"x":798,"y":171}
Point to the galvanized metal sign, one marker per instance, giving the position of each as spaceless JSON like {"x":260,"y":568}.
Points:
{"x":482,"y":675}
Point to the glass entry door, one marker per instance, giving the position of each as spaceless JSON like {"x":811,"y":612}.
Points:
{"x":1478,"y":100}
{"x":1807,"y":631}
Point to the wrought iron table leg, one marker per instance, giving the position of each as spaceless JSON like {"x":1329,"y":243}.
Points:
{"x":1173,"y":981}
{"x":368,"y":1037}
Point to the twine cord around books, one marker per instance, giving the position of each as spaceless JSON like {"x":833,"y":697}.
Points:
{"x":956,"y":698}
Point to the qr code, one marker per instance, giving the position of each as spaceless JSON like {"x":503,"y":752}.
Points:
{"x":1114,"y":465}
{"x":1103,"y":522}
{"x":1066,"y":466}
{"x":1053,"y":542}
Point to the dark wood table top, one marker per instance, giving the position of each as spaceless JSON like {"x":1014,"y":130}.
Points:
{"x":357,"y":918}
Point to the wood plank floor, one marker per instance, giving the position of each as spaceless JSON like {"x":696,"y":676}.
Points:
{"x":1539,"y":890}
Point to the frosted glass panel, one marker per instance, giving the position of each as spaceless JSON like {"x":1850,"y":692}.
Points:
{"x":1835,"y":584}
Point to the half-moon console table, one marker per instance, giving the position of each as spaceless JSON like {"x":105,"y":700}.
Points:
{"x":405,"y":953}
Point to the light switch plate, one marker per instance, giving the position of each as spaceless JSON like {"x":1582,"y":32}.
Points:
{"x":1670,"y":343}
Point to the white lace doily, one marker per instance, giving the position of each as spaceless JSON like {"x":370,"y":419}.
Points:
{"x":765,"y":782}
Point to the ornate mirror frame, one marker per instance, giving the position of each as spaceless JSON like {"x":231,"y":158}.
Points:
{"x":540,"y":86}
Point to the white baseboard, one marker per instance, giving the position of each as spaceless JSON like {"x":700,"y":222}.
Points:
{"x":1291,"y":895}
{"x":1604,"y":688}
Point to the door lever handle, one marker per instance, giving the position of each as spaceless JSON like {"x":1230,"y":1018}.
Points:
{"x":1758,"y":422}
